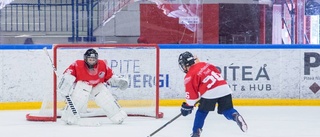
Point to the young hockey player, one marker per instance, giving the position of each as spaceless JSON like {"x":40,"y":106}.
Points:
{"x":88,"y":77}
{"x":203,"y":83}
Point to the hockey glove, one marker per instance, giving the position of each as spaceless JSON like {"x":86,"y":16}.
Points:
{"x":123,"y":84}
{"x":185,"y":109}
{"x":118,"y":81}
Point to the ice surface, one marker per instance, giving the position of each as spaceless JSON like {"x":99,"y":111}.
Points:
{"x":262,"y":122}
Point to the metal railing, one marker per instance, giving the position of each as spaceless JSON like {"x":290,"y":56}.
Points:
{"x":73,"y":18}
{"x":37,"y":17}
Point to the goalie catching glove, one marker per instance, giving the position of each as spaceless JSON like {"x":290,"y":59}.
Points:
{"x":120,"y":82}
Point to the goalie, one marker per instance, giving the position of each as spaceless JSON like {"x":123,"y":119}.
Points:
{"x":87,"y":78}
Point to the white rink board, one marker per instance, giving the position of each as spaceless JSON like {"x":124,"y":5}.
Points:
{"x":251,"y":73}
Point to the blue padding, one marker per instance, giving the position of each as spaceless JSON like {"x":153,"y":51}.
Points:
{"x":228,"y":113}
{"x":24,"y":46}
{"x":238,"y":46}
{"x":199,"y":120}
{"x":181,"y":46}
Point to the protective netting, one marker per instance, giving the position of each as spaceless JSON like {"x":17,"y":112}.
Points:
{"x":182,"y":21}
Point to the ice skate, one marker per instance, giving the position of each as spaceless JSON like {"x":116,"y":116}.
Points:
{"x":240,"y":121}
{"x":196,"y":134}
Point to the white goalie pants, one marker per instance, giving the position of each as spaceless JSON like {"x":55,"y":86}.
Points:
{"x":103,"y":98}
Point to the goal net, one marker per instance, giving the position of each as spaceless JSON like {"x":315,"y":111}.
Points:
{"x":139,"y":63}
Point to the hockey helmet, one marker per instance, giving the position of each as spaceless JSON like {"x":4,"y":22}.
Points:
{"x":185,"y":60}
{"x":90,"y":53}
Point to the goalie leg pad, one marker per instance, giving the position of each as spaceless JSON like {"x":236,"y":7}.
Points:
{"x":119,"y":117}
{"x":80,"y":97}
{"x":108,"y":103}
{"x":68,"y":117}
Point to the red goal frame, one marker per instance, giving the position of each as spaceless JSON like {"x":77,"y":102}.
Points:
{"x":55,"y":47}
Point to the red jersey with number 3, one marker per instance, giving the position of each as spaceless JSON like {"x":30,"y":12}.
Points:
{"x":204,"y":80}
{"x":100,"y":73}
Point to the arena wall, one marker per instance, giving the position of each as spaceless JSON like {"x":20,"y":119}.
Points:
{"x":259,"y":75}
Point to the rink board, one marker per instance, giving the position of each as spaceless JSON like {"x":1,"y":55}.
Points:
{"x":258,"y":74}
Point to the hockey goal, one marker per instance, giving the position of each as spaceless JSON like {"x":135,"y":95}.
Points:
{"x":138,"y":62}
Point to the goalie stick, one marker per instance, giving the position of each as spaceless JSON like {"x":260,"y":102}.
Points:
{"x":68,"y":98}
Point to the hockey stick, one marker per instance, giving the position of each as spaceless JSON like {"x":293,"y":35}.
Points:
{"x":168,"y":122}
{"x":68,"y":98}
{"x":164,"y":125}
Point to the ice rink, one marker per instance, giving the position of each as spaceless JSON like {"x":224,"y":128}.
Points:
{"x":262,"y":122}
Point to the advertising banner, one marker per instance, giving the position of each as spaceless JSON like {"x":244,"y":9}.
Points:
{"x":252,"y":71}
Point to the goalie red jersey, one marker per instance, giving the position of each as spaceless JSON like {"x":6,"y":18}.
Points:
{"x":100,"y":72}
{"x":204,"y":80}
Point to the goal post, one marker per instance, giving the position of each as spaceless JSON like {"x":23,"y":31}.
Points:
{"x":137,"y":62}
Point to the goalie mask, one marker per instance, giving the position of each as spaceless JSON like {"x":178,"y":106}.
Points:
{"x":186,"y":59}
{"x":91,"y":58}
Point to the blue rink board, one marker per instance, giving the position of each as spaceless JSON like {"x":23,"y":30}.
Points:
{"x":180,"y":46}
{"x":236,"y":46}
